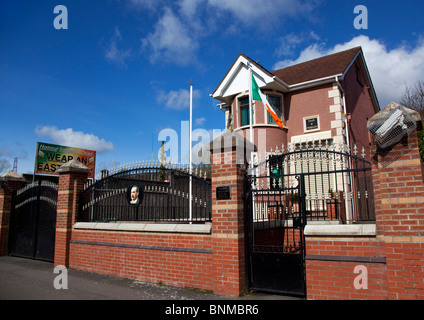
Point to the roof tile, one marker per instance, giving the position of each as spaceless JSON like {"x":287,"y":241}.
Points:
{"x":318,"y":68}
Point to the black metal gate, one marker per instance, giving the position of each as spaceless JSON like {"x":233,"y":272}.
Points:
{"x":275,"y":241}
{"x":310,"y":182}
{"x":33,"y":221}
{"x":163,"y":192}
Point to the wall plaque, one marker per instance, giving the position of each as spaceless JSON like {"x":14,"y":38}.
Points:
{"x":223,"y":193}
{"x":311,"y":123}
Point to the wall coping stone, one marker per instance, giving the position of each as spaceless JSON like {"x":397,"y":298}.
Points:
{"x":11,"y":176}
{"x":340,"y":230}
{"x":73,"y":166}
{"x":145,"y":227}
{"x":229,"y":140}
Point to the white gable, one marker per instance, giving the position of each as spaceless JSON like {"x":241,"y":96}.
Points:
{"x":238,"y":79}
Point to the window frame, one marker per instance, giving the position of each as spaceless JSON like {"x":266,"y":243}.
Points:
{"x":269,"y":119}
{"x":244,"y":106}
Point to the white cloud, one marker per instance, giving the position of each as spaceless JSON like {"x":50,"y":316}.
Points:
{"x":311,"y":52}
{"x":151,"y":5}
{"x":189,"y":8}
{"x":390,"y":69}
{"x":291,"y":41}
{"x":200,"y":121}
{"x":177,"y":99}
{"x":113,"y":53}
{"x":251,"y":12}
{"x":78,"y":139}
{"x":5,"y":151}
{"x":171,"y":41}
{"x":183,"y":24}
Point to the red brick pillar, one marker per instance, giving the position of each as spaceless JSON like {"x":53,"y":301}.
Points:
{"x":72,"y":177}
{"x":228,"y":157}
{"x":10,"y":182}
{"x":399,"y":205}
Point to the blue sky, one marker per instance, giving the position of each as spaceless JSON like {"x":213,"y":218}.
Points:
{"x":119,"y":74}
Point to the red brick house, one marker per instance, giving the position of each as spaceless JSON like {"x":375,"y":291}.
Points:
{"x":327,"y":99}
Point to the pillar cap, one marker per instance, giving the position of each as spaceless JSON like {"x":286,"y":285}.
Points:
{"x":388,"y":110}
{"x":73,"y":166}
{"x":12,"y":176}
{"x":228,"y":141}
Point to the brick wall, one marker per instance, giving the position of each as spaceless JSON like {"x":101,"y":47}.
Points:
{"x":209,"y":261}
{"x":70,"y":185}
{"x":398,"y":173}
{"x":331,"y":272}
{"x":228,"y":224}
{"x":405,"y":269}
{"x":172,"y":259}
{"x":7,"y":188}
{"x":393,"y":256}
{"x":400,"y":217}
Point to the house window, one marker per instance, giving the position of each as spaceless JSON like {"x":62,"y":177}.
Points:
{"x":275,"y":101}
{"x":244,"y":112}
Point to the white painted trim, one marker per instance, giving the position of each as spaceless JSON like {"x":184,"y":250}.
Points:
{"x":259,"y":125}
{"x":325,"y":135}
{"x":313,"y":83}
{"x":350,"y":64}
{"x":261,"y":77}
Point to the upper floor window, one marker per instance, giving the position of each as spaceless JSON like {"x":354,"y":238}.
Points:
{"x":275,"y":101}
{"x":244,"y":112}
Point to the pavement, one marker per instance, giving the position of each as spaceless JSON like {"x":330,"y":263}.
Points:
{"x":27,"y":279}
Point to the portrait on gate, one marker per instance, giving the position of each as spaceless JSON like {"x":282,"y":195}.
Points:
{"x":134,"y":195}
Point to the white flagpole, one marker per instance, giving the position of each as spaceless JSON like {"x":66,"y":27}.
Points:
{"x":250,"y":110}
{"x":250,"y":103}
{"x":190,"y":155}
{"x":251,"y":135}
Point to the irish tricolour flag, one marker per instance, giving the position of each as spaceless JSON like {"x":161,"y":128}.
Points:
{"x":258,"y":95}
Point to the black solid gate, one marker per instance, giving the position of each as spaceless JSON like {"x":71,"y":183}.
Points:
{"x":33,"y":221}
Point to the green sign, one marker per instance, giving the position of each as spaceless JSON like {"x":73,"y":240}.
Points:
{"x":50,"y":157}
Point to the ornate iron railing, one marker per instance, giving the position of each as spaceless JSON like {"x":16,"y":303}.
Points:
{"x":147,"y":192}
{"x":337,"y":185}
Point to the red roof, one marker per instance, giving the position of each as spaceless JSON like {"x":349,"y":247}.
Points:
{"x":318,"y":68}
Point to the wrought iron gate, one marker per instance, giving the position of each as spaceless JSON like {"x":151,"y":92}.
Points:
{"x":33,"y":221}
{"x":275,"y":242}
{"x":310,"y":182}
{"x":163,"y":193}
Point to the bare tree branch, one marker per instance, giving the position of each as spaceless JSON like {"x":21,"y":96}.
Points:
{"x":413,"y":98}
{"x":4,"y":165}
